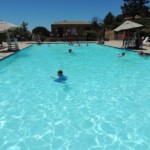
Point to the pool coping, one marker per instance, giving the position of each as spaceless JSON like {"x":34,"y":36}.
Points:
{"x":15,"y":52}
{"x":126,"y":49}
{"x":118,"y":44}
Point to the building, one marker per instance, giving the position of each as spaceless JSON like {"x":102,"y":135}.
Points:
{"x":70,"y":28}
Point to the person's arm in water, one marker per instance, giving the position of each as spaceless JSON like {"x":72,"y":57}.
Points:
{"x":53,"y":77}
{"x":57,"y":79}
{"x":60,"y":79}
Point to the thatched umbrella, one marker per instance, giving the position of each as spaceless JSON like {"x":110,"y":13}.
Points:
{"x":127,"y":25}
{"x":5,"y":26}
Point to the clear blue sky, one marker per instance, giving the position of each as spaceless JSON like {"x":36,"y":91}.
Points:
{"x":46,"y":12}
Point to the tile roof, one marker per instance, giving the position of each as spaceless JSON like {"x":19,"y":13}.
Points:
{"x":72,"y":22}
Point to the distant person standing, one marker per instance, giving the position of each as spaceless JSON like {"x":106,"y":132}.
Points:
{"x":102,"y":41}
{"x":137,"y":39}
{"x":124,"y":39}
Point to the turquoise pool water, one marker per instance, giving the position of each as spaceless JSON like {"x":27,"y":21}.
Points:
{"x":104,"y":105}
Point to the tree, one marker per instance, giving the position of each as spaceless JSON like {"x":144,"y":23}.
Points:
{"x":22,"y":32}
{"x":95,"y":22}
{"x":24,"y":26}
{"x":131,"y":8}
{"x":118,"y":20}
{"x":98,"y":26}
{"x":42,"y":31}
{"x":109,"y":20}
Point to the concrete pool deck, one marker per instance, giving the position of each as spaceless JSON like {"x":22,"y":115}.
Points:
{"x":4,"y":53}
{"x":118,"y":44}
{"x":115,"y":43}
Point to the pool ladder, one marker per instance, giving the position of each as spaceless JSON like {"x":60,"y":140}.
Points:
{"x":13,"y":45}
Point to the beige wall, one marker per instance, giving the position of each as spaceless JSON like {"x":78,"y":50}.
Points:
{"x":110,"y":34}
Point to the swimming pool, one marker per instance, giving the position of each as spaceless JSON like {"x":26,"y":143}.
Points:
{"x":105,"y":103}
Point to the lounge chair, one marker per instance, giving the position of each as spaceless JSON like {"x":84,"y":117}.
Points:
{"x":146,"y":42}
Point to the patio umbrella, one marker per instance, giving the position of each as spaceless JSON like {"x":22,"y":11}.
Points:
{"x":5,"y":26}
{"x":127,"y":25}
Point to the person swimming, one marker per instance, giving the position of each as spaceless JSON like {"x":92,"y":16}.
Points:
{"x":121,"y":55}
{"x":70,"y":51}
{"x":61,"y":77}
{"x":142,"y":53}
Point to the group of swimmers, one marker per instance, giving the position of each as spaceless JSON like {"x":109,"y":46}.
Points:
{"x":78,"y":44}
{"x":62,"y":78}
{"x":141,"y":53}
{"x":71,"y":43}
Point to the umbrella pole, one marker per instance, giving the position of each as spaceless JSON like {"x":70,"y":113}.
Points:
{"x":128,"y":38}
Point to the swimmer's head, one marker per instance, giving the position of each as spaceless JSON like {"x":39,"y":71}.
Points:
{"x":123,"y":54}
{"x":70,"y":50}
{"x":60,"y":72}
